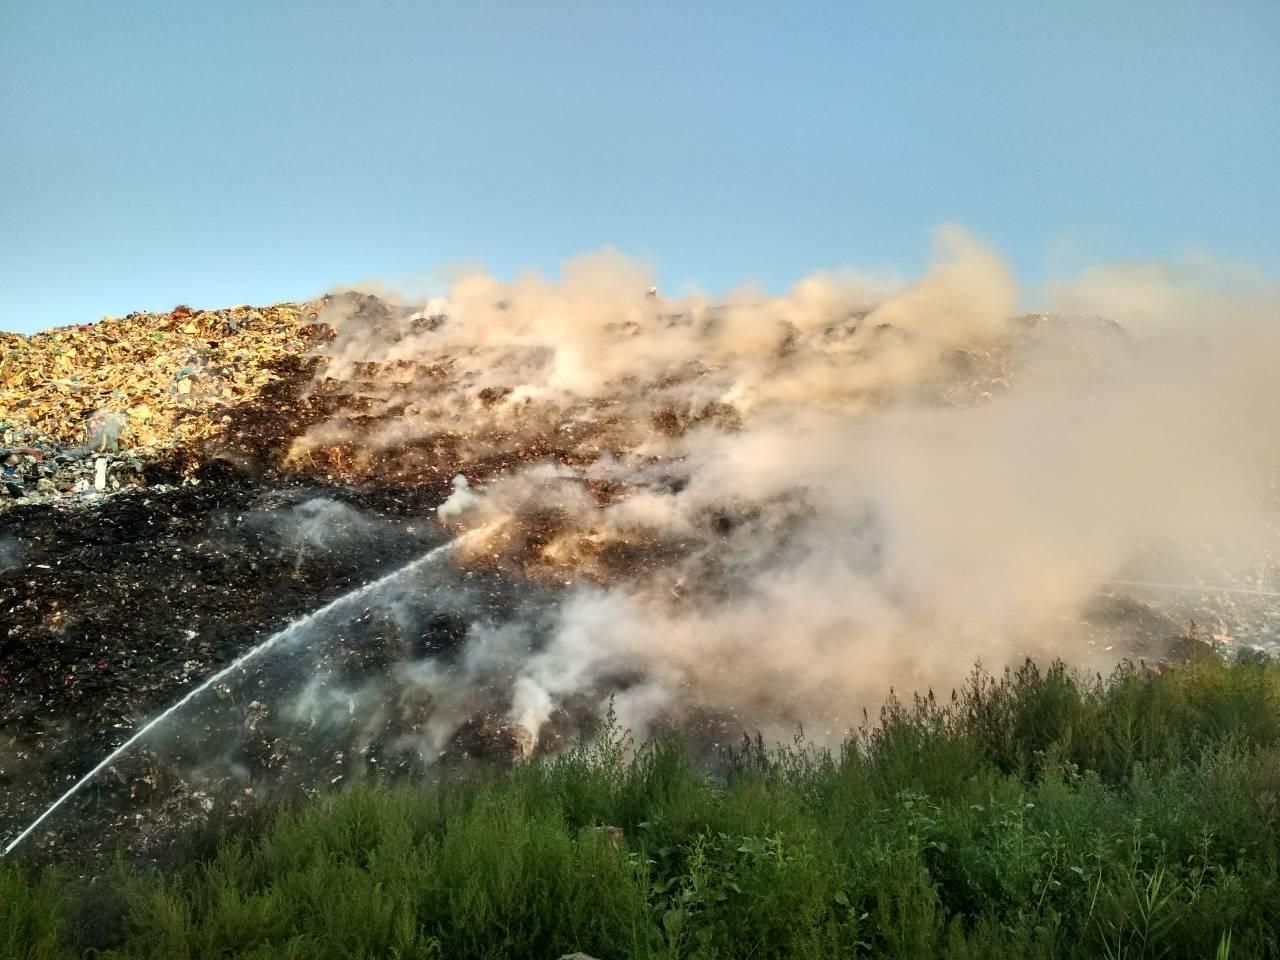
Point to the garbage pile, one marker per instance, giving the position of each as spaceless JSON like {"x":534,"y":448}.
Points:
{"x":36,"y":470}
{"x":84,"y":408}
{"x":373,"y":412}
{"x":249,"y":385}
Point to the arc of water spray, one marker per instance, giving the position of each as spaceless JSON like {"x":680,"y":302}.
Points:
{"x":298,"y":626}
{"x":291,"y":631}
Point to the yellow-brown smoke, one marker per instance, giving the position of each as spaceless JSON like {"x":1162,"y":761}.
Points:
{"x":783,"y":505}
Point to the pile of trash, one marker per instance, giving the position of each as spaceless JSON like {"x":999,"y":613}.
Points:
{"x":36,"y":470}
{"x":83,"y":408}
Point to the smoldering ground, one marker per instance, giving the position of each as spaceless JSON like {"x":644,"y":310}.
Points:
{"x":769,"y":501}
{"x":745,"y":513}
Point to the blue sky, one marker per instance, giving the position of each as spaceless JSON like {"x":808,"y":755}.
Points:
{"x":215,"y":153}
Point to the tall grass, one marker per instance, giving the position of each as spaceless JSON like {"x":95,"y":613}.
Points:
{"x":1034,"y":814}
{"x":31,"y":924}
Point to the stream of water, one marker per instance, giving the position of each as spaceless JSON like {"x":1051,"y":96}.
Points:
{"x":292,"y":632}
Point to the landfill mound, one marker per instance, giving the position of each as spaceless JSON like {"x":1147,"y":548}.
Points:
{"x":149,"y":399}
{"x":180,"y":486}
{"x":139,"y":391}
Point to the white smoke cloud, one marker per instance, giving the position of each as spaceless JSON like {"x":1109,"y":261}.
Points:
{"x":315,"y":527}
{"x":779,"y":506}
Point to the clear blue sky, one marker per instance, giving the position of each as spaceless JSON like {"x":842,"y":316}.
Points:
{"x":219,"y":152}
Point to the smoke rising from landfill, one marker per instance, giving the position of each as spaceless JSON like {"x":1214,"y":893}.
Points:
{"x":778,"y":506}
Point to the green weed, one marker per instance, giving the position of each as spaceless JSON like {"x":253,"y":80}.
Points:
{"x":1039,"y":813}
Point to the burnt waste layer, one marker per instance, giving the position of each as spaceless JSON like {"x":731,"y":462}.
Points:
{"x":704,"y":543}
{"x":119,"y":611}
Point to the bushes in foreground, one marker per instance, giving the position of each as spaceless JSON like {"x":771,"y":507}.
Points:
{"x":1038,"y":814}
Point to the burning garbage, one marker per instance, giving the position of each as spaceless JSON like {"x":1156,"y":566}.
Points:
{"x":756,"y":512}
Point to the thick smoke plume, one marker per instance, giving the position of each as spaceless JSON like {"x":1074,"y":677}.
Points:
{"x":779,"y":506}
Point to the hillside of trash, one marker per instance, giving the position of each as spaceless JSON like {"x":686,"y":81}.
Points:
{"x":179,"y":487}
{"x":88,"y":409}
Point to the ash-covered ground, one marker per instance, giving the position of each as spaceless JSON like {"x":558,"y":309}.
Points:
{"x":116,"y":611}
{"x":718,"y":517}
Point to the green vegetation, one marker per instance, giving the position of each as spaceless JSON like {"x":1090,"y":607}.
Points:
{"x":1037,"y":814}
